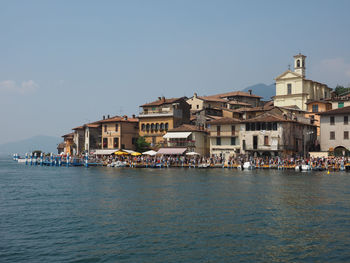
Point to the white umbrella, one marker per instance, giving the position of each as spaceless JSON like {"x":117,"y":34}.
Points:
{"x":192,"y":153}
{"x":151,"y":152}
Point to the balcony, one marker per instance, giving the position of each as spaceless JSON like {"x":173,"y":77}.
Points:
{"x":223,"y":134}
{"x":181,"y":143}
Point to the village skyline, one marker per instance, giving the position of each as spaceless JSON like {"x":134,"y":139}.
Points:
{"x":64,"y":64}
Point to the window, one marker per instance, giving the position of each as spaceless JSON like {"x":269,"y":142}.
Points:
{"x":263,"y":126}
{"x":147,"y":127}
{"x":346,"y":135}
{"x":143,"y":127}
{"x":233,"y":129}
{"x":105,"y":142}
{"x":258,"y":126}
{"x":218,"y":141}
{"x":266,"y":140}
{"x":269,"y":126}
{"x":274,"y":126}
{"x":233,"y":140}
{"x":105,"y":128}
{"x":340,"y":104}
{"x":332,"y":120}
{"x":116,"y":127}
{"x":197,"y":107}
{"x":289,"y":88}
{"x":157,"y":126}
{"x":247,"y":126}
{"x":161,"y":126}
{"x":315,"y":108}
{"x":152,"y":127}
{"x":346,"y":120}
{"x":298,"y":63}
{"x":252,"y":126}
{"x":332,"y":135}
{"x":218,"y":129}
{"x":116,"y":143}
{"x":133,"y":141}
{"x":166,"y":126}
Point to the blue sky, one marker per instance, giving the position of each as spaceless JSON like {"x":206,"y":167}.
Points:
{"x":64,"y":63}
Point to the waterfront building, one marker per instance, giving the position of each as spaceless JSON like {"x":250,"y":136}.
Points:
{"x":313,"y":108}
{"x":69,"y":143}
{"x":160,"y":116}
{"x":293,"y":89}
{"x":225,"y":137}
{"x":79,"y":140}
{"x":193,"y":138}
{"x":275,"y":135}
{"x":119,"y":132}
{"x":335,"y":128}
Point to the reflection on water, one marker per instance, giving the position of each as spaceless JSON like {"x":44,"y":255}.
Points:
{"x":64,"y":214}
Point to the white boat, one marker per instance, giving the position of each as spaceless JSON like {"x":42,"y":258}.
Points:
{"x":21,"y":160}
{"x":248,"y":166}
{"x":297,"y":168}
{"x":203,"y":165}
{"x":119,"y":164}
{"x":305,"y":167}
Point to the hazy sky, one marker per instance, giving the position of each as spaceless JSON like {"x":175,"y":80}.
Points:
{"x":64,"y":63}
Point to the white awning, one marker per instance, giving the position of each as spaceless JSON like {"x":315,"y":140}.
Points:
{"x":151,"y":152}
{"x":175,"y":135}
{"x":172,"y":151}
{"x":105,"y":152}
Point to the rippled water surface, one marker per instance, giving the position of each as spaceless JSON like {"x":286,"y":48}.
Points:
{"x":59,"y":214}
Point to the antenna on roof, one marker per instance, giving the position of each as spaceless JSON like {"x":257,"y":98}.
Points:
{"x":288,"y":66}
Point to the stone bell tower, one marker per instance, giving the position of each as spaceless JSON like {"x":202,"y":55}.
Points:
{"x":299,"y":64}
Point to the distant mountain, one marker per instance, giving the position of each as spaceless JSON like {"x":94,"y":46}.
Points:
{"x":40,"y":142}
{"x":263,"y":90}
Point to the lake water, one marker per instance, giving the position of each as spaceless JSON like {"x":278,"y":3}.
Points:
{"x":59,"y":214}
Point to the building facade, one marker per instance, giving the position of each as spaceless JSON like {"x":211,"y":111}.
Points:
{"x":119,"y":132}
{"x":335,"y":130}
{"x":160,"y":116}
{"x":225,"y":137}
{"x":293,"y":89}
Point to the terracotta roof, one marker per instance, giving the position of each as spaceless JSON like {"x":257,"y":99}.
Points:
{"x":69,"y":135}
{"x":212,"y":98}
{"x":78,"y":128}
{"x":225,"y":120}
{"x":93,"y":125}
{"x":313,"y":101}
{"x":236,"y":93}
{"x":343,"y":110}
{"x":187,"y":127}
{"x":234,"y":102}
{"x":162,"y":101}
{"x":119,"y":119}
{"x":267,"y":117}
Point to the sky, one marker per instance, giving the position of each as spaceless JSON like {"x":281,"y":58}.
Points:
{"x":66,"y":63}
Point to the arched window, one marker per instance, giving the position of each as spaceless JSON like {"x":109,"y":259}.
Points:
{"x":147,"y":127}
{"x":157,"y":127}
{"x":161,"y":126}
{"x":143,"y":127}
{"x":166,"y":126}
{"x":152,"y":127}
{"x":298,"y":63}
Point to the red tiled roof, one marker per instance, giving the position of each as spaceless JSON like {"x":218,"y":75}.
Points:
{"x":212,"y":98}
{"x":69,"y":135}
{"x":344,"y":110}
{"x":236,"y":93}
{"x":119,"y":119}
{"x":162,"y":101}
{"x":225,"y":120}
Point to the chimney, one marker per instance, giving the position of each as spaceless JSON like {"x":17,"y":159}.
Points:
{"x":195,"y":95}
{"x":108,"y":116}
{"x":104,"y":117}
{"x":125,"y":117}
{"x":250,"y":92}
{"x":163,"y":99}
{"x":159,"y":98}
{"x":285,"y":116}
{"x":133,"y":116}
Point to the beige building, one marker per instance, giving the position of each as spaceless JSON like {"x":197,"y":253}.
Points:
{"x":293,"y":89}
{"x":160,"y":116}
{"x":272,"y":135}
{"x":335,"y":130}
{"x":225,"y":137}
{"x":119,"y":132}
{"x":193,"y":138}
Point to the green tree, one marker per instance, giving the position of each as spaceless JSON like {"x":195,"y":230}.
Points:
{"x":339,"y":90}
{"x":142,"y":145}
